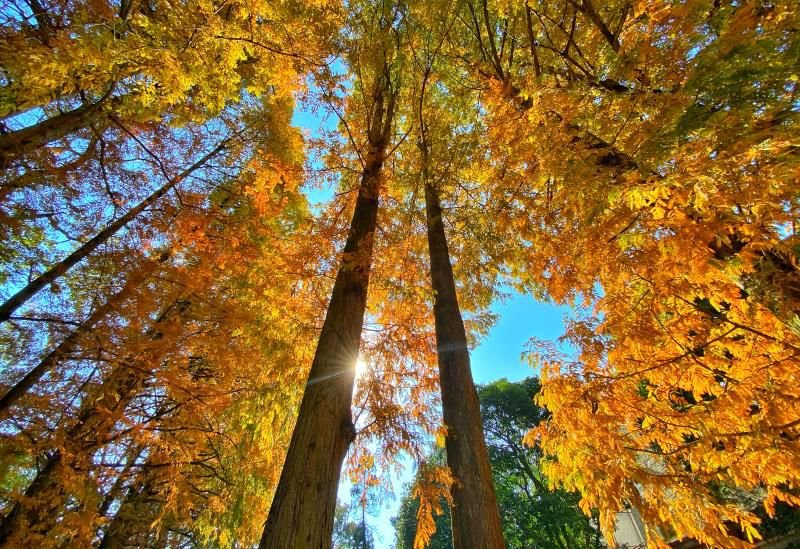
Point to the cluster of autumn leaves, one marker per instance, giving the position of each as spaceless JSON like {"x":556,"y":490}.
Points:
{"x":180,"y":325}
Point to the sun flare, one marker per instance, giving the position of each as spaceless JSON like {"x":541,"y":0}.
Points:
{"x":361,"y":367}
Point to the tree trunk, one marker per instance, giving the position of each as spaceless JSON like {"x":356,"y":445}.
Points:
{"x":136,"y":511}
{"x":68,"y":343}
{"x":17,"y":143}
{"x":59,"y":352}
{"x":475,"y":516}
{"x":302,"y":512}
{"x":82,"y":537}
{"x":115,"y":492}
{"x":38,"y":513}
{"x":57,"y":270}
{"x":587,"y":9}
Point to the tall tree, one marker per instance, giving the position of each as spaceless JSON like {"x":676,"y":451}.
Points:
{"x":635,"y":160}
{"x":475,"y":515}
{"x":92,"y":429}
{"x":304,"y":506}
{"x":189,"y":402}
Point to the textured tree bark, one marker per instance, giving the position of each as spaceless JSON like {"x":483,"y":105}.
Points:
{"x":35,"y":286}
{"x":302,"y":511}
{"x":475,"y":515}
{"x":301,"y":516}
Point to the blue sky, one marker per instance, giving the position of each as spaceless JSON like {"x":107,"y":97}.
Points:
{"x":521,"y":317}
{"x":498,"y":355}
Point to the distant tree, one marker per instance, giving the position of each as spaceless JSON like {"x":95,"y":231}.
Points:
{"x":533,"y":515}
{"x":350,"y":532}
{"x":350,"y":528}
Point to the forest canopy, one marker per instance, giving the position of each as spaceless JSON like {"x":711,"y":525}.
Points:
{"x":194,"y":347}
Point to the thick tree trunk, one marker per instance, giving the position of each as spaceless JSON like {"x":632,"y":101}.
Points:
{"x":303,"y":508}
{"x":57,"y":270}
{"x":475,"y":515}
{"x":302,"y":511}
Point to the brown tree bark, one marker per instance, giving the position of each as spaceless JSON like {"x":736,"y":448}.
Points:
{"x":301,"y":516}
{"x":474,"y":511}
{"x":475,"y":515}
{"x":35,"y":286}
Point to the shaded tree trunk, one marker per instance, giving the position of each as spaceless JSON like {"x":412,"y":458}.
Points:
{"x":136,"y":511}
{"x":20,"y":142}
{"x":38,"y":513}
{"x":68,"y":344}
{"x":117,"y":488}
{"x":83,"y":537}
{"x":55,"y":356}
{"x":304,"y":505}
{"x":35,"y":286}
{"x":476,"y":518}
